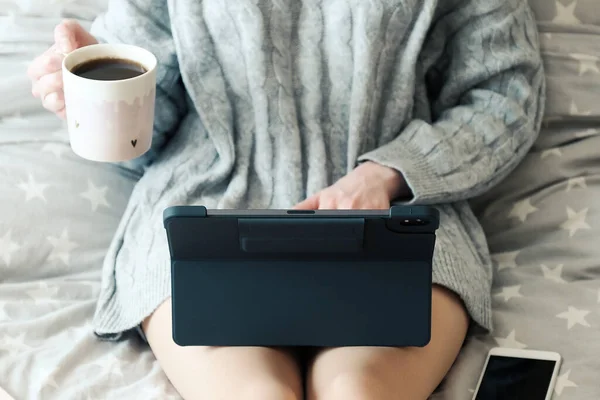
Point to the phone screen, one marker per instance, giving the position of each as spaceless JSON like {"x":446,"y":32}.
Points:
{"x":511,"y":378}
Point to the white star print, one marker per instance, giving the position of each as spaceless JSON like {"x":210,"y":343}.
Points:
{"x":522,"y":209}
{"x":33,"y":189}
{"x":508,"y":292}
{"x":575,"y":221}
{"x":580,"y":182}
{"x":62,"y":247}
{"x":566,"y":14}
{"x":96,"y":195}
{"x":551,"y":152}
{"x":563,"y":382}
{"x":574,"y":317}
{"x":553,"y":274}
{"x":57,"y":149}
{"x":510,"y":341}
{"x":43,"y":293}
{"x":8,"y":248}
{"x":506,"y":260}
{"x":574,"y":110}
{"x":586,"y":63}
{"x":14,"y":345}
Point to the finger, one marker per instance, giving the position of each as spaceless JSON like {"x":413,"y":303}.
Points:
{"x":54,"y":102}
{"x":45,"y":64}
{"x":69,"y":36}
{"x":62,"y":114}
{"x":48,"y":84}
{"x":349,"y":204}
{"x":328,"y":203}
{"x":363,"y":205}
{"x":312,"y":203}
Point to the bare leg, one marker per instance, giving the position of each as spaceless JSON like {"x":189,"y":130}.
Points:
{"x":354,"y":373}
{"x":223,"y":373}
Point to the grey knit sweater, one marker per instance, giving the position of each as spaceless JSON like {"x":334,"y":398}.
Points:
{"x":261,"y":103}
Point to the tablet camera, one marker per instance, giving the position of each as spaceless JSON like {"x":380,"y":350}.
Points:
{"x":414,"y":222}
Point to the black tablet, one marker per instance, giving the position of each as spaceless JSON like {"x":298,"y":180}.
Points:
{"x":301,"y":278}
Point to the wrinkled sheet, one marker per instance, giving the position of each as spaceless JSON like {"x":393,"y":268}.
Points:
{"x":57,"y":216}
{"x":543,"y":221}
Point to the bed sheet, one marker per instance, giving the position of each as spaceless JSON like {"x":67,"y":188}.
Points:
{"x":57,"y":216}
{"x":543,"y":221}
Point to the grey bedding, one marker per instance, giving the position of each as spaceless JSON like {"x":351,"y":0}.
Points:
{"x":58,"y":214}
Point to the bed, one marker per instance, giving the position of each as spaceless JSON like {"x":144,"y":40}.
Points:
{"x":58,"y":213}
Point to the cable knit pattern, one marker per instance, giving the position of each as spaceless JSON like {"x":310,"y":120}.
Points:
{"x":261,"y":103}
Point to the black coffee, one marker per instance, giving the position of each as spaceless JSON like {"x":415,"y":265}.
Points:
{"x":109,"y":69}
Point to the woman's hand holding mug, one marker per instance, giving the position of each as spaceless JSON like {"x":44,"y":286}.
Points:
{"x":45,"y":71}
{"x":105,"y":92}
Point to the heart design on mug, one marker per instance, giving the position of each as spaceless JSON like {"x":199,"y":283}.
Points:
{"x":134,"y":142}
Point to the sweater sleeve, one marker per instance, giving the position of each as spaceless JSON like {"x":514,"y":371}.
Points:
{"x":488,"y":108}
{"x":146,"y":23}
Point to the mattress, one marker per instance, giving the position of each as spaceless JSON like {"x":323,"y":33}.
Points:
{"x":58,"y":214}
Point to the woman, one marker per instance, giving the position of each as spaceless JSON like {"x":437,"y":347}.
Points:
{"x":320,"y":105}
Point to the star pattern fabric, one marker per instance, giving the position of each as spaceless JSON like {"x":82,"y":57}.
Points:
{"x":33,"y":189}
{"x":506,"y":260}
{"x":575,"y":317}
{"x":587,"y":63}
{"x":7,"y":248}
{"x":61,"y":247}
{"x":543,"y":222}
{"x":564,"y":382}
{"x":565,"y":14}
{"x":553,"y":274}
{"x":510,"y":341}
{"x":522,"y":209}
{"x":508,"y":292}
{"x":576,"y":220}
{"x":96,"y":195}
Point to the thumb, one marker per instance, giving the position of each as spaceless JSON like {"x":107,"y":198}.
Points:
{"x":312,"y":203}
{"x":69,"y":36}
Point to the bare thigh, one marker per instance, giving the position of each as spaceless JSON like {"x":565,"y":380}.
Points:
{"x":357,"y":373}
{"x":223,"y":373}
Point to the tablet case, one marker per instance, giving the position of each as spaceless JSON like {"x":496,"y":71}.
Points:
{"x":301,"y":278}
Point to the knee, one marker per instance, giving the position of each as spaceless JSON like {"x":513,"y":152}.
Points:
{"x":268,"y":390}
{"x":356,"y":385}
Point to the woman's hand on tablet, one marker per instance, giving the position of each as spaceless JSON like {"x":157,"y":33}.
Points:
{"x":370,"y":186}
{"x":45,"y":72}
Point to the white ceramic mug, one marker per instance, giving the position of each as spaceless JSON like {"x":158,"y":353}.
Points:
{"x":110,"y":121}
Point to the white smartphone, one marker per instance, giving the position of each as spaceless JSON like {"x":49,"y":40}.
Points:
{"x":514,"y":374}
